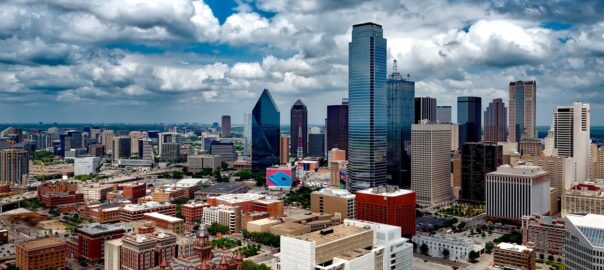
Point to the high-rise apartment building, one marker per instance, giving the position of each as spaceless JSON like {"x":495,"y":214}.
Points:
{"x":443,"y":114}
{"x":597,"y":162}
{"x":14,"y":166}
{"x":170,"y":152}
{"x":265,"y":133}
{"x":425,"y":109}
{"x":583,"y":245}
{"x":478,"y":159}
{"x":367,"y":117}
{"x":571,"y":126}
{"x":225,"y":126}
{"x":298,"y":127}
{"x":387,"y":205}
{"x":495,"y":122}
{"x":120,"y":148}
{"x":401,"y":115}
{"x":333,"y":201}
{"x":431,"y":163}
{"x":469,"y":118}
{"x":336,"y":129}
{"x":523,"y":110}
{"x":135,"y":137}
{"x":284,"y":150}
{"x":514,"y":192}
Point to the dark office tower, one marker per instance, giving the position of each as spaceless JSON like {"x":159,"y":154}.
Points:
{"x":425,"y":108}
{"x":401,"y":114}
{"x":337,"y":126}
{"x":478,"y":159}
{"x":298,"y":124}
{"x":367,"y":115}
{"x":265,"y":133}
{"x":71,"y":140}
{"x":316,"y":145}
{"x":469,"y":112}
{"x":443,"y":114}
{"x":225,"y":127}
{"x":523,"y":110}
{"x":495,"y":122}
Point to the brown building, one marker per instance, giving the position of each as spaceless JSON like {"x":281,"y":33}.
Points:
{"x":544,"y":234}
{"x":333,"y":201}
{"x":56,"y":186}
{"x":174,"y":224}
{"x":104,"y":213}
{"x":147,"y":251}
{"x":512,"y":256}
{"x":134,"y":191}
{"x":251,"y":216}
{"x":135,"y":212}
{"x":274,"y":208}
{"x":53,"y":194}
{"x":169,"y":194}
{"x":284,"y":150}
{"x":530,"y":147}
{"x":46,"y":253}
{"x":193,"y":212}
{"x":91,"y":240}
{"x":456,"y":190}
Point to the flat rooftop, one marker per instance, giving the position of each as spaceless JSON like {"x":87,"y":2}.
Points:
{"x":223,"y":188}
{"x":147,"y":205}
{"x":339,"y":232}
{"x":264,"y":221}
{"x":239,"y":198}
{"x":167,"y":218}
{"x":41,"y":243}
{"x":519,"y":170}
{"x":514,"y":247}
{"x":97,"y":228}
{"x":336,"y":192}
{"x":388,"y":191}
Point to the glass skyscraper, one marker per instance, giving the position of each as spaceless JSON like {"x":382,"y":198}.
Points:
{"x":298,"y":122}
{"x":367,"y":115}
{"x":265,"y":133}
{"x":337,"y":126}
{"x":523,"y":110}
{"x":401,"y":102}
{"x":469,"y":118}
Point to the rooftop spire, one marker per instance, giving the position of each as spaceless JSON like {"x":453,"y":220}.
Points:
{"x":394,"y":69}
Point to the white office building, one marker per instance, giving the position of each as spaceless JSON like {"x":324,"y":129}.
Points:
{"x":571,"y":137}
{"x":431,"y":163}
{"x":86,"y":165}
{"x":459,"y":248}
{"x":113,"y":254}
{"x":584,"y":242}
{"x":513,"y":192}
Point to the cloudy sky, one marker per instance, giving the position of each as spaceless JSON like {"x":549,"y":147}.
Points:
{"x":192,"y":61}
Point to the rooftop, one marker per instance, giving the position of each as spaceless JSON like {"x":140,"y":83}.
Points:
{"x":97,"y":228}
{"x":147,"y":205}
{"x":191,"y":181}
{"x":196,"y":204}
{"x":41,"y":243}
{"x":264,"y":221}
{"x":239,"y":198}
{"x":336,"y":192}
{"x":389,"y":191}
{"x":514,"y":247}
{"x":339,"y":232}
{"x":167,"y":218}
{"x":223,"y":188}
{"x":519,"y":170}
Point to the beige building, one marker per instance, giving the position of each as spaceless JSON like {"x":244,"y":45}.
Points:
{"x":174,"y":224}
{"x":586,"y":197}
{"x":522,"y":94}
{"x":108,"y":141}
{"x":134,"y":137}
{"x":262,"y":225}
{"x":197,"y":163}
{"x":561,"y":170}
{"x":512,"y":256}
{"x":338,"y":202}
{"x":229,"y":216}
{"x":284,"y":150}
{"x":530,"y":147}
{"x":431,"y":163}
{"x":290,"y":228}
{"x":597,"y":162}
{"x":335,"y":167}
{"x":456,"y":176}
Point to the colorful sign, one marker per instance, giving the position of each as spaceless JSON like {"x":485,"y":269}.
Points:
{"x":279,"y":177}
{"x":343,"y":178}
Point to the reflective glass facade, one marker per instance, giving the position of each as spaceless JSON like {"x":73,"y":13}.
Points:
{"x":298,"y":122}
{"x":401,"y":103}
{"x":469,"y":118}
{"x":265,"y":133}
{"x":367,"y":115}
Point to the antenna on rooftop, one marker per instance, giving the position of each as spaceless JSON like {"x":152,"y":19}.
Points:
{"x":394,"y":69}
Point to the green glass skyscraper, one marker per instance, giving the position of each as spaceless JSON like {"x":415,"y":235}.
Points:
{"x":265,"y":133}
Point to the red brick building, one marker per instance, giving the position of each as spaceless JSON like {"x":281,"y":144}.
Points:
{"x":134,"y":212}
{"x":193,"y":212}
{"x":274,"y":208}
{"x":145,"y":251}
{"x":91,"y":240}
{"x":134,"y":191}
{"x":388,"y":205}
{"x":53,"y":194}
{"x":46,"y":253}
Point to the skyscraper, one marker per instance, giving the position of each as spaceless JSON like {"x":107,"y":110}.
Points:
{"x":14,"y":164}
{"x":316,"y":145}
{"x":337,"y":126}
{"x":367,"y":121}
{"x":120,"y":148}
{"x":425,"y":108}
{"x":572,"y":138}
{"x":265,"y":133}
{"x":284,"y":150}
{"x":431,"y":163}
{"x":523,"y":110}
{"x":401,"y":114}
{"x":247,"y":134}
{"x":469,"y":118}
{"x":225,"y":126}
{"x":478,"y":159}
{"x":298,"y":124}
{"x":495,"y":121}
{"x":443,"y":114}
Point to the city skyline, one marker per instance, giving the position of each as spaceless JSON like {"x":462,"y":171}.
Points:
{"x":186,"y":61}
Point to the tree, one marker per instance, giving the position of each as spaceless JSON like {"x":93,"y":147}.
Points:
{"x":250,"y":265}
{"x":423,"y":249}
{"x":541,"y":256}
{"x":216,"y":228}
{"x":473,"y":255}
{"x":550,"y":258}
{"x":446,"y":253}
{"x":224,"y":166}
{"x":489,"y":247}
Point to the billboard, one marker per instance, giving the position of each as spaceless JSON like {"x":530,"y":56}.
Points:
{"x":343,"y":178}
{"x":279,"y":177}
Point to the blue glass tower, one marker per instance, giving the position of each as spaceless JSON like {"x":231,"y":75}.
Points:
{"x":265,"y":133}
{"x":401,"y":103}
{"x":469,"y":118}
{"x":367,"y":115}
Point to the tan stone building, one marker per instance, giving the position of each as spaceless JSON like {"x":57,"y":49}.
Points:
{"x":512,"y":256}
{"x":586,"y":197}
{"x":333,"y":201}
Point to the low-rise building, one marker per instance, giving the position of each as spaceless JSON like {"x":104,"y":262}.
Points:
{"x":91,"y":240}
{"x":263,"y":225}
{"x":135,"y":212}
{"x":459,"y":248}
{"x":169,"y":194}
{"x":86,"y":165}
{"x":512,"y":256}
{"x":583,"y":242}
{"x":193,"y":212}
{"x":113,"y":260}
{"x":174,"y":224}
{"x":333,"y":201}
{"x":585,"y":197}
{"x":45,"y":253}
{"x":387,"y":205}
{"x":544,"y":234}
{"x":55,"y":199}
{"x":226,"y":215}
{"x":243,"y":201}
{"x":146,"y":251}
{"x":221,"y":189}
{"x":134,"y":191}
{"x":197,"y":163}
{"x":251,"y":216}
{"x":104,"y":213}
{"x":95,"y":192}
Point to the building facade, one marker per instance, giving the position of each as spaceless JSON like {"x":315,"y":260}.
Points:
{"x":459,"y":248}
{"x":388,"y":205}
{"x":443,"y":114}
{"x":316,"y":145}
{"x":469,"y":118}
{"x":571,"y":126}
{"x":333,"y":201}
{"x":495,"y":122}
{"x":120,"y":148}
{"x":298,"y":127}
{"x":367,"y":117}
{"x":265,"y":133}
{"x":45,"y":253}
{"x":14,"y":166}
{"x":523,"y":110}
{"x":583,"y":245}
{"x":512,"y":256}
{"x":425,"y":109}
{"x":284,"y":150}
{"x":401,"y":115}
{"x":229,"y":216}
{"x":478,"y":159}
{"x":225,"y":126}
{"x":544,"y":234}
{"x":337,"y":126}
